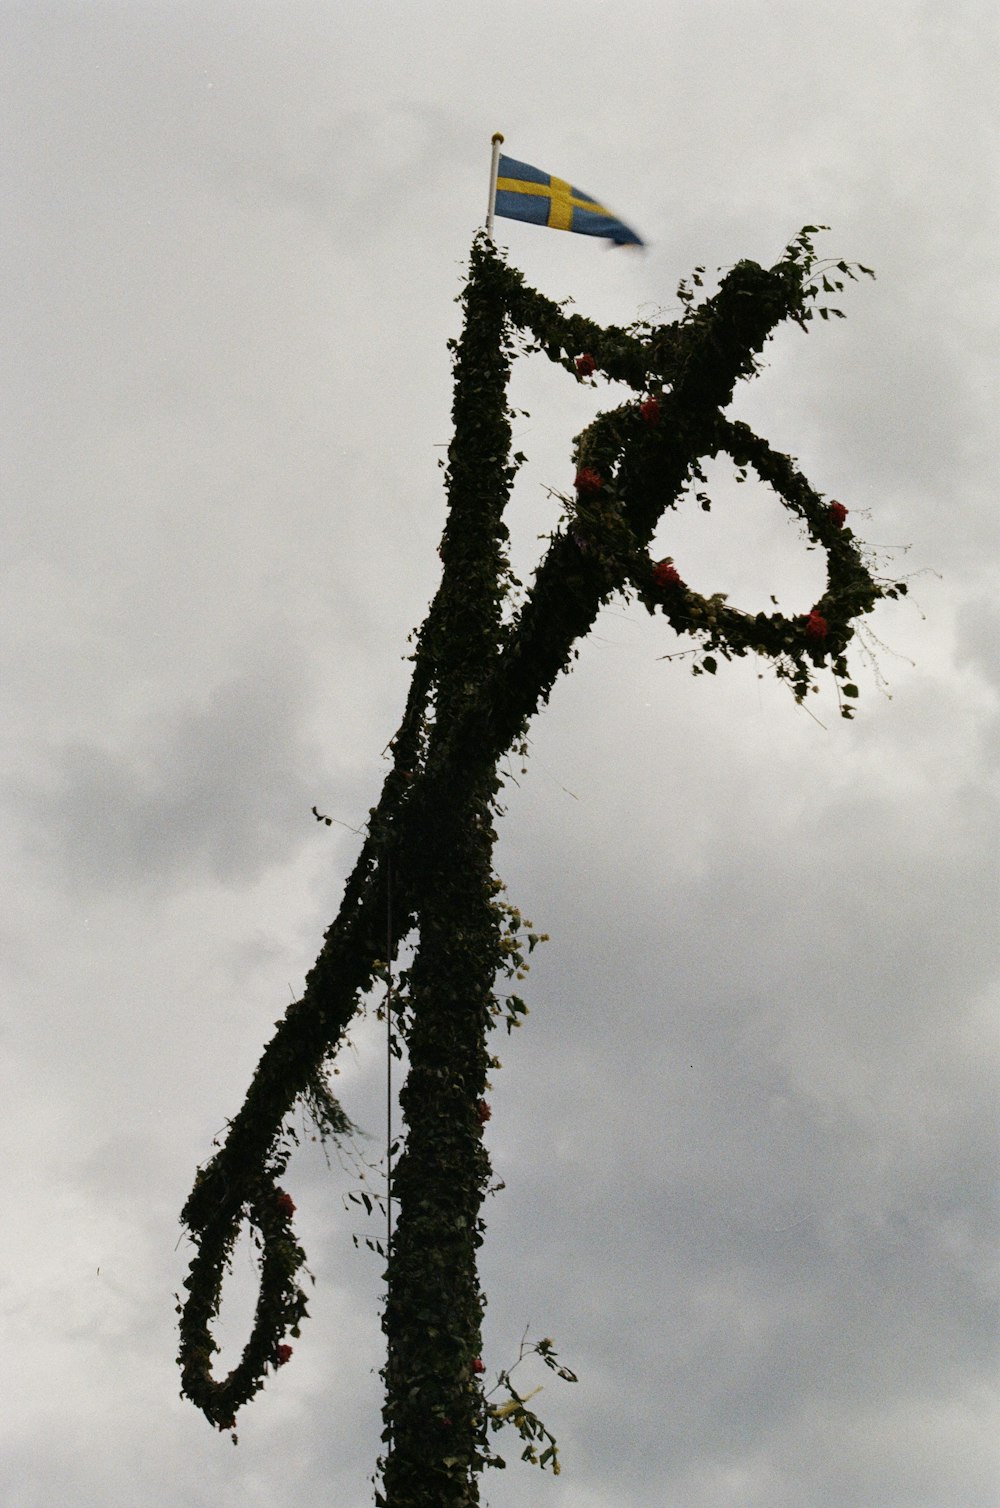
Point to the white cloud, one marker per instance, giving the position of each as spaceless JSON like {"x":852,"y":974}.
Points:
{"x":746,"y":1131}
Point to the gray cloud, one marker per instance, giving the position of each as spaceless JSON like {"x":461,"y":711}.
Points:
{"x":748,"y":1132}
{"x":220,"y":788}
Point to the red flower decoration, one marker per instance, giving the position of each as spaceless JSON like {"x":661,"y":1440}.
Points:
{"x":284,"y":1354}
{"x":816,"y":626}
{"x":650,"y":411}
{"x":588,"y":482}
{"x":665,"y":575}
{"x":484,"y":1112}
{"x":838,"y":513}
{"x":585,"y":365}
{"x":286,"y":1204}
{"x":478,"y":1366}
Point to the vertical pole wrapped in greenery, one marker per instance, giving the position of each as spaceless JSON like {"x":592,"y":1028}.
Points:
{"x":482,"y":667}
{"x":434,"y":1407}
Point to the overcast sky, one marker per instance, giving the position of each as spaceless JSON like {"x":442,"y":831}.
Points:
{"x":749,"y":1132}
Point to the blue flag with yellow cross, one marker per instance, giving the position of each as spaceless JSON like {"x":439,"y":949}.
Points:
{"x":526,"y":193}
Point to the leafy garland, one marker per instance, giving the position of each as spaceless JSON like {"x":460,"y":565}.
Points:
{"x":480,"y":671}
{"x":795,"y":644}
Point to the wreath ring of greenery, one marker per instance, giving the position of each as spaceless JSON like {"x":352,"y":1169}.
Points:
{"x":281,"y":1303}
{"x":817,"y":637}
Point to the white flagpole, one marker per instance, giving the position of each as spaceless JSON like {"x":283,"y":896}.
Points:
{"x":494,"y":167}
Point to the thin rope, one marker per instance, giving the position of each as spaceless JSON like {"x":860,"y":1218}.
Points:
{"x":388,"y":1059}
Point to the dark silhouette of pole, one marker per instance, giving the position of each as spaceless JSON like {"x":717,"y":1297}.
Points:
{"x":481,"y":671}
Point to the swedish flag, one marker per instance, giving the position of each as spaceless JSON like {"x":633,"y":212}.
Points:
{"x":526,"y":193}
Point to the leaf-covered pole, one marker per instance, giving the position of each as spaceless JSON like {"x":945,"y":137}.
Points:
{"x":480,"y":672}
{"x":434,"y":1408}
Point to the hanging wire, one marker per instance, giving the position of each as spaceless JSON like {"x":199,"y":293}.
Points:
{"x":388,"y":1057}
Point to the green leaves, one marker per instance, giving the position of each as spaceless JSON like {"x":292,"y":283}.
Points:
{"x":514,"y":1410}
{"x":484,"y":661}
{"x":281,"y":1303}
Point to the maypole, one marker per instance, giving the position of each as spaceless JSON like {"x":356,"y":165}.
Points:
{"x":482,"y":668}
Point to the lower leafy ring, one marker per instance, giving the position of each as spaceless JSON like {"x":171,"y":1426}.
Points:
{"x":281,"y":1303}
